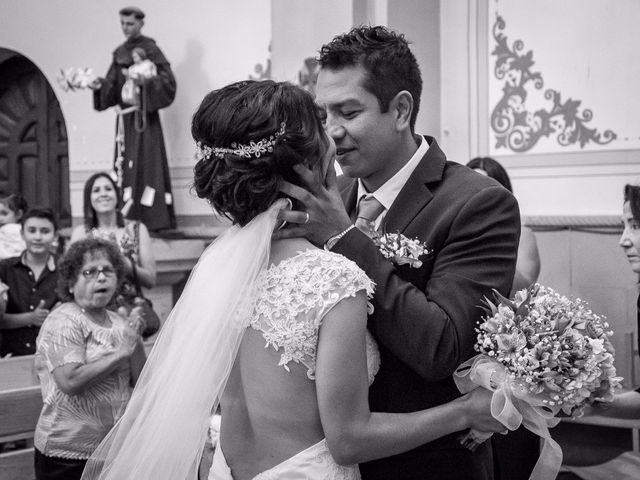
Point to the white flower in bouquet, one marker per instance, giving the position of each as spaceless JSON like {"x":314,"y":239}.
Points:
{"x":75,"y":78}
{"x":542,"y":354}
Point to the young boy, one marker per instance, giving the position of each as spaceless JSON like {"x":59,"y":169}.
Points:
{"x":31,"y":278}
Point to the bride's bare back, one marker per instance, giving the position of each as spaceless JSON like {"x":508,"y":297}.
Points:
{"x":268,"y":414}
{"x":270,"y":407}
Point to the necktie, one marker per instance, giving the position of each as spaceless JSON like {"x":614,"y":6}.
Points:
{"x":369,"y":209}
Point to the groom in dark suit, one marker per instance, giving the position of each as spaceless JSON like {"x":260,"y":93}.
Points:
{"x":369,"y":89}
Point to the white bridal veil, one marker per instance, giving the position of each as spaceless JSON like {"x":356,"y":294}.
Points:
{"x":163,"y":430}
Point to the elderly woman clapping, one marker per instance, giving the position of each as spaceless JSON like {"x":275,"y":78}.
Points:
{"x":88,"y":359}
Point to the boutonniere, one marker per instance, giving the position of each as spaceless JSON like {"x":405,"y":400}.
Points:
{"x":401,"y":250}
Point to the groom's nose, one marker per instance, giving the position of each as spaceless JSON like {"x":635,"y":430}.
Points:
{"x":334,"y":128}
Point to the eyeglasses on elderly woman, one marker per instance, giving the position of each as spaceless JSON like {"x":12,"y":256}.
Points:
{"x":92,"y":273}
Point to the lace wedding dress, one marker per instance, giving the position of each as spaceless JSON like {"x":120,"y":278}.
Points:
{"x":293,"y":297}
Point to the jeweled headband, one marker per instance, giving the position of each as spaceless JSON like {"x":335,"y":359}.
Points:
{"x":252,"y":150}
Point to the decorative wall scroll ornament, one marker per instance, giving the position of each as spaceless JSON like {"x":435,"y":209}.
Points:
{"x":262,"y":71}
{"x":519,"y":129}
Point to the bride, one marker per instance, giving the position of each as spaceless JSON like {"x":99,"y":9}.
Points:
{"x":275,"y":332}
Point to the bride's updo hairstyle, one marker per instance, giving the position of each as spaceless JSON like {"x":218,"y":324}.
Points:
{"x":239,"y":179}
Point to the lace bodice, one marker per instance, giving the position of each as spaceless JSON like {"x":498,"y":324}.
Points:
{"x":293,"y":298}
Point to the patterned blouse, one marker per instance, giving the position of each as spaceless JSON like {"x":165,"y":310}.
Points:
{"x":129,"y":242}
{"x":72,"y":426}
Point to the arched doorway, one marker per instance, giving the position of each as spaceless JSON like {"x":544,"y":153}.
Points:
{"x":34,"y":155}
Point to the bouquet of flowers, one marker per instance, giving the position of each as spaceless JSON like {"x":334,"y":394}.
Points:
{"x":400,"y":249}
{"x":542,"y":354}
{"x":75,"y":78}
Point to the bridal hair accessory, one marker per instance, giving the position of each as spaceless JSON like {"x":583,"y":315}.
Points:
{"x":252,"y":150}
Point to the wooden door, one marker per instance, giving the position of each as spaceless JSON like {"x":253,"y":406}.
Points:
{"x":34,"y":158}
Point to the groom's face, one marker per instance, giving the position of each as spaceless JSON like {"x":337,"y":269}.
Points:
{"x":364,"y":136}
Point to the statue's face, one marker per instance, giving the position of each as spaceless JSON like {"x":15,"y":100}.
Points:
{"x":131,"y":26}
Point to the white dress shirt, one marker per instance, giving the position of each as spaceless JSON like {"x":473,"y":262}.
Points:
{"x":388,"y":191}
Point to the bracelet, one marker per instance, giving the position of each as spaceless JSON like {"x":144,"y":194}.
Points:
{"x":331,"y":242}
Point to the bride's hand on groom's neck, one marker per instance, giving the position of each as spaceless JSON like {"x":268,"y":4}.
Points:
{"x":322,"y":202}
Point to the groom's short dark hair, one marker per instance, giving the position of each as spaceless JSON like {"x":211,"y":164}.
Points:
{"x":389,"y":64}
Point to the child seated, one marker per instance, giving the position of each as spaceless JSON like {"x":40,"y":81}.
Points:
{"x":12,"y":208}
{"x":31,"y":278}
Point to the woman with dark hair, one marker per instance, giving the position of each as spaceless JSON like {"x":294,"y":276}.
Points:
{"x":103,"y":218}
{"x":630,"y":238}
{"x":87,"y":358}
{"x":490,"y":167}
{"x":627,"y":405}
{"x":528,"y":263}
{"x":299,"y":408}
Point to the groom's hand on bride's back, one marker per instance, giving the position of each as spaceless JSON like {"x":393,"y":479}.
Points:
{"x":322,"y":202}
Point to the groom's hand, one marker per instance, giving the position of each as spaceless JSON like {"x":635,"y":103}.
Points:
{"x":324,"y":214}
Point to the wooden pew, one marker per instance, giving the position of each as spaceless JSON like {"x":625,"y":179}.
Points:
{"x":20,"y":406}
{"x":19,"y":412}
{"x":17,"y":465}
{"x":17,"y":372}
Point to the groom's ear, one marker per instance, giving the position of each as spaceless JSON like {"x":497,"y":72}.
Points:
{"x":402,"y":106}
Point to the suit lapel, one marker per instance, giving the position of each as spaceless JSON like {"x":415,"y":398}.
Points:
{"x":416,"y":194}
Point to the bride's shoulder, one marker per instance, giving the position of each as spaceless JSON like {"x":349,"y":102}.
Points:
{"x":283,"y":250}
{"x":299,"y":256}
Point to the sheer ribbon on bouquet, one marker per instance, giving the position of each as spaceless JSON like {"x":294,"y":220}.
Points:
{"x":163,"y":430}
{"x":512,"y":405}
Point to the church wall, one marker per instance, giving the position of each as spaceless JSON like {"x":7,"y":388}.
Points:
{"x":419,"y":20}
{"x":299,"y":29}
{"x":208,"y":44}
{"x":212,"y":43}
{"x":583,"y":66}
{"x":563,"y":193}
{"x":571,"y":196}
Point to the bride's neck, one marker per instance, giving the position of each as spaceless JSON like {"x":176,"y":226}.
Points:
{"x":288,"y":247}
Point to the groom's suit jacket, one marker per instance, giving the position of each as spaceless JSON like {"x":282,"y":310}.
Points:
{"x":424,"y":318}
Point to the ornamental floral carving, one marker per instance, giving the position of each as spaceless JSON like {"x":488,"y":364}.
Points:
{"x":515,"y":126}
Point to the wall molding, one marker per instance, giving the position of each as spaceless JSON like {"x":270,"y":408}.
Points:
{"x":595,"y":223}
